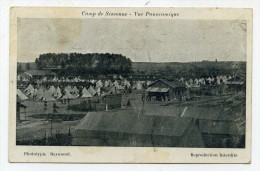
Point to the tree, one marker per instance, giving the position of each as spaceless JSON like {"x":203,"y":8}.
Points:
{"x":28,"y":67}
{"x":19,"y":68}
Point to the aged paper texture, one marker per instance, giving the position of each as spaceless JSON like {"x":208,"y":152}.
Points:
{"x":130,"y":85}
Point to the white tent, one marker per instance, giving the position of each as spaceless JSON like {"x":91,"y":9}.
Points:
{"x":76,"y":79}
{"x":32,"y":93}
{"x":148,"y":83}
{"x":92,"y":91}
{"x":68,"y":80}
{"x":20,"y":95}
{"x":106,"y":84}
{"x":68,"y":88}
{"x":29,"y":88}
{"x":111,"y":91}
{"x":92,"y":81}
{"x":67,"y":95}
{"x":39,"y":93}
{"x":74,"y":90}
{"x":85,"y":93}
{"x":126,"y":83}
{"x":52,"y":90}
{"x":55,"y":79}
{"x":138,"y":86}
{"x":120,"y":77}
{"x":99,"y":84}
{"x":19,"y":78}
{"x":115,"y":83}
{"x":57,"y":93}
{"x":120,"y":87}
{"x":115,"y":77}
{"x":45,"y":96}
{"x":98,"y":91}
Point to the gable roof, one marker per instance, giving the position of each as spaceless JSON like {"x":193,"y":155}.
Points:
{"x":221,"y":127}
{"x":172,"y":84}
{"x":135,"y":123}
{"x":212,"y":113}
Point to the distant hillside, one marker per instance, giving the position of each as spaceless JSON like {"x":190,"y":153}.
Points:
{"x":191,"y":68}
{"x":156,"y":70}
{"x":31,"y":64}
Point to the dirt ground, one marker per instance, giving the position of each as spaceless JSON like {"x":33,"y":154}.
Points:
{"x":33,"y":128}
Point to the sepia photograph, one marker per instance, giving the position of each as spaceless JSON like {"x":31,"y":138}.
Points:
{"x":123,"y":81}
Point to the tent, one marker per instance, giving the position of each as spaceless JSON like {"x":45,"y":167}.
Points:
{"x":20,"y":95}
{"x":106,"y":84}
{"x":39,"y":93}
{"x":45,"y":96}
{"x":119,"y":87}
{"x":68,"y":80}
{"x":126,"y":83}
{"x":98,"y":91}
{"x":54,"y":79}
{"x":99,"y":83}
{"x":74,"y":90}
{"x":115,"y":83}
{"x":138,"y":86}
{"x":32,"y":93}
{"x":57,"y":93}
{"x":76,"y":79}
{"x":52,"y":90}
{"x":112,"y":90}
{"x":68,"y":88}
{"x":67,"y":95}
{"x":120,"y":77}
{"x":29,"y":88}
{"x":85,"y":93}
{"x":132,"y":129}
{"x":115,"y":77}
{"x":148,"y":83}
{"x":19,"y":78}
{"x":92,"y":91}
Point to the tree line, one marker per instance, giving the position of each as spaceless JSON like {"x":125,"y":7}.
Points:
{"x":90,"y":63}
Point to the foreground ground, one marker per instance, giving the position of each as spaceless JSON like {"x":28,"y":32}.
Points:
{"x":34,"y":124}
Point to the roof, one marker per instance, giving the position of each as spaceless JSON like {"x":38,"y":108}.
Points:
{"x":222,"y":127}
{"x":202,"y":112}
{"x":157,"y":89}
{"x":172,"y":84}
{"x":39,"y":73}
{"x":135,"y":123}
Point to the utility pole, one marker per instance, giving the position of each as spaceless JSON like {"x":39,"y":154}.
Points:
{"x":143,"y":104}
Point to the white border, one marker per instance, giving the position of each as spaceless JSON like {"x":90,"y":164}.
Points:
{"x":4,"y":72}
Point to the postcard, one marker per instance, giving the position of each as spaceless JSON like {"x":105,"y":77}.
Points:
{"x":130,"y":85}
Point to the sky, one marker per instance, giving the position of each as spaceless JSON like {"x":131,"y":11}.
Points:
{"x":141,"y":40}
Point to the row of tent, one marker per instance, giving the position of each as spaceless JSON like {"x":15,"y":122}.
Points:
{"x":218,"y":80}
{"x":119,"y":84}
{"x":50,"y":94}
{"x":20,"y":77}
{"x":53,"y":93}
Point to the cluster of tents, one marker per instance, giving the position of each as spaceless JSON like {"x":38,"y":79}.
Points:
{"x":98,"y":88}
{"x":218,"y":80}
